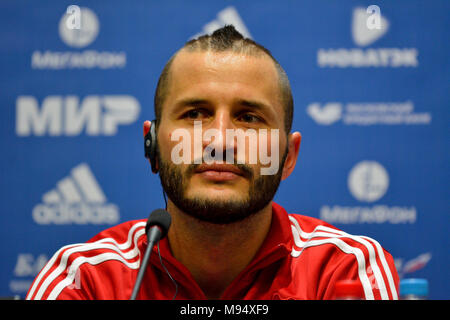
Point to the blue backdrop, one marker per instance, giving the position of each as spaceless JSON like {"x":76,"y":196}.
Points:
{"x":371,"y":103}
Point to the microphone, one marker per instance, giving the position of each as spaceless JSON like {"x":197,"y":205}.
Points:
{"x":158,"y":224}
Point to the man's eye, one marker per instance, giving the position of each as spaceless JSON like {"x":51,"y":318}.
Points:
{"x":193,"y":114}
{"x":250,"y":118}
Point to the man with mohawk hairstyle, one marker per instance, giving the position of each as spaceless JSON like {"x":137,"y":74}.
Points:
{"x":228,"y":239}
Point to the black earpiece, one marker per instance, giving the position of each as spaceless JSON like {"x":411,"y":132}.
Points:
{"x":150,"y":145}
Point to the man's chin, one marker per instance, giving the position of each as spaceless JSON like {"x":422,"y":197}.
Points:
{"x":218,"y":210}
{"x":217,"y":193}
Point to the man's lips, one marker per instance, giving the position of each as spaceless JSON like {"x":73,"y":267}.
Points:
{"x":219,"y":172}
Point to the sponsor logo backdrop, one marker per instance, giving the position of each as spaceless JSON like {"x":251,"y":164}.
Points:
{"x":77,"y":83}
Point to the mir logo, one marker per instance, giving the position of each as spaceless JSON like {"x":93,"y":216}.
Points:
{"x":58,"y":115}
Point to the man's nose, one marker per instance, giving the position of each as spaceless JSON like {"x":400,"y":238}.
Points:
{"x":215,"y":136}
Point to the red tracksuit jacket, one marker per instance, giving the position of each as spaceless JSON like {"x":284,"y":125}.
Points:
{"x":301,"y":258}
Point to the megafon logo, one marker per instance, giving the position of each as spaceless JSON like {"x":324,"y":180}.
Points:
{"x":59,"y":115}
{"x":363,"y":35}
{"x":226,"y":16}
{"x":368,"y":181}
{"x":78,"y":28}
{"x":77,"y":199}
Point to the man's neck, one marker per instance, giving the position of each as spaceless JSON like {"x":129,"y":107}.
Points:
{"x":216,"y":254}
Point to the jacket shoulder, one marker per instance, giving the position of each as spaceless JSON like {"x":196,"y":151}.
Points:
{"x":72,"y":264}
{"x":336,"y":255}
{"x":308,"y":223}
{"x":120,"y":232}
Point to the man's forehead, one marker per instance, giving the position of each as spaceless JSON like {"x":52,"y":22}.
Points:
{"x":187,"y":61}
{"x":258,"y":73}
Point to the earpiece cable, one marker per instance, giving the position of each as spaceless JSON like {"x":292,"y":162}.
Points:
{"x":168,"y":273}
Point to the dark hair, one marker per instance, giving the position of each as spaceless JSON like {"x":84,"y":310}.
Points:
{"x":228,"y":38}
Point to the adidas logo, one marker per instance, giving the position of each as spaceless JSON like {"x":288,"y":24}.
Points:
{"x":226,"y":16}
{"x":77,"y":199}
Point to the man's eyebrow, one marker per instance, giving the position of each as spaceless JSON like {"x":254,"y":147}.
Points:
{"x":191,"y":102}
{"x":253,"y":104}
{"x":264,"y":108}
{"x":180,"y":105}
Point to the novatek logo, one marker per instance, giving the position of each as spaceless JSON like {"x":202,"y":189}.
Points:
{"x":226,"y":16}
{"x":59,"y":115}
{"x":364,"y":35}
{"x":77,"y":199}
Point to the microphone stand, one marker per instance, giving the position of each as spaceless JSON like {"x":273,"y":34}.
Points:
{"x":153,"y":236}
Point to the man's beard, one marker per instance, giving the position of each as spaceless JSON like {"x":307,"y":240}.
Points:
{"x":261,"y":191}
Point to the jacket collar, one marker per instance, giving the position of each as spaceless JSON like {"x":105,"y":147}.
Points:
{"x":278,"y":242}
{"x":276,"y":246}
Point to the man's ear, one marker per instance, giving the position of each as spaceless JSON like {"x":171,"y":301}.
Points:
{"x":294,"y":141}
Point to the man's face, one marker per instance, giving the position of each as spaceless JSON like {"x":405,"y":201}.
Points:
{"x":222,"y":92}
